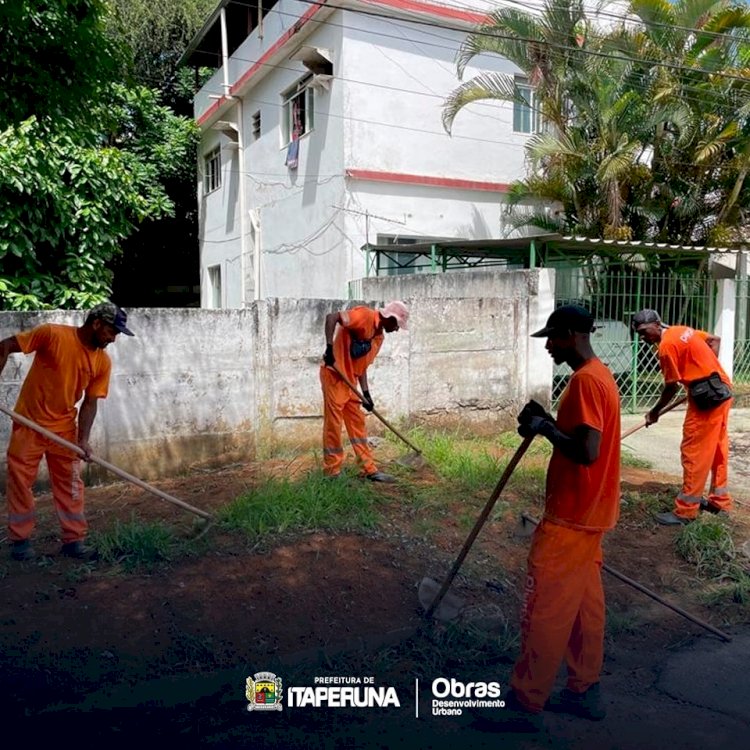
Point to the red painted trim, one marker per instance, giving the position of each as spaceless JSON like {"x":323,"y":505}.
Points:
{"x":269,"y":53}
{"x":211,"y":110}
{"x":278,"y":44}
{"x":368,"y":175}
{"x":431,"y":9}
{"x":407,"y":5}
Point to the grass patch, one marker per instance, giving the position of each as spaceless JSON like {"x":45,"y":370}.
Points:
{"x":135,"y":545}
{"x":512,"y":440}
{"x":707,"y":543}
{"x":633,"y":461}
{"x":313,"y":502}
{"x":620,"y":622}
{"x":734,"y":589}
{"x":466,"y":464}
{"x":646,"y":503}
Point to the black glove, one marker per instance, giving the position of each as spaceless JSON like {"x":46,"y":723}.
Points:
{"x":533,"y":409}
{"x":535,"y":426}
{"x":328,"y":356}
{"x":367,"y":402}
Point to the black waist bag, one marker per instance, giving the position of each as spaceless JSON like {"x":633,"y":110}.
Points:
{"x":709,"y":392}
{"x":359,"y":348}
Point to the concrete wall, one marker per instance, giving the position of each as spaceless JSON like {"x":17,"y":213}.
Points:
{"x":523,"y":300}
{"x":197,"y":387}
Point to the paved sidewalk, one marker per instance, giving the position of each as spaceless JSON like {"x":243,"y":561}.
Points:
{"x":660,"y":445}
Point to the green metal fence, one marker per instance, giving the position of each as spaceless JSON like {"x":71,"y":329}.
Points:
{"x":680,"y":289}
{"x":741,"y":327}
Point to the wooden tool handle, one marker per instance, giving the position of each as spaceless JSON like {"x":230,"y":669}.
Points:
{"x":653,"y":595}
{"x":509,"y":469}
{"x":375,"y":411}
{"x":671,"y":406}
{"x":101,"y":462}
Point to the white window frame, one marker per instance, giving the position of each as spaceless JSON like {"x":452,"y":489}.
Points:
{"x":212,"y":170}
{"x":300,"y":89}
{"x":526,"y":117}
{"x":215,"y":292}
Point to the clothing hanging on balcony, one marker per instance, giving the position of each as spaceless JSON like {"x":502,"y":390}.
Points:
{"x":292,"y":152}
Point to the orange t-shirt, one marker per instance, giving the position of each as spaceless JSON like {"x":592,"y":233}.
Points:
{"x":359,"y":324}
{"x":684,"y":356}
{"x":63,"y":368}
{"x":578,"y":496}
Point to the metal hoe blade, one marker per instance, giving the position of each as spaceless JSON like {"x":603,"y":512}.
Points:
{"x":450,"y":605}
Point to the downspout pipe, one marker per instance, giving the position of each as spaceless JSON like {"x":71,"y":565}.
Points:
{"x":243,"y":200}
{"x":255,"y":220}
{"x":224,"y":52}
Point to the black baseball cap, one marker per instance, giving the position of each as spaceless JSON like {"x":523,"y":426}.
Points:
{"x":643,"y":317}
{"x":567,"y":318}
{"x":110,"y":313}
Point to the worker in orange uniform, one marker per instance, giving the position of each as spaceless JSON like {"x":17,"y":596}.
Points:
{"x":563,"y":610}
{"x":69,"y":363}
{"x":351,"y":351}
{"x":690,"y":357}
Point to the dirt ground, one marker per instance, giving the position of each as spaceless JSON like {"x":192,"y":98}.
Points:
{"x":111,"y":657}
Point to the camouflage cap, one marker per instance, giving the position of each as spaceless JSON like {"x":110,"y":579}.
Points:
{"x":110,"y":313}
{"x":644,"y":317}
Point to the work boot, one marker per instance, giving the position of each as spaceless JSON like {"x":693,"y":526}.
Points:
{"x":381,"y":476}
{"x":22,"y":551}
{"x":670,"y":519}
{"x":711,"y":507}
{"x":515,"y":717}
{"x":586,"y":705}
{"x":79,"y":551}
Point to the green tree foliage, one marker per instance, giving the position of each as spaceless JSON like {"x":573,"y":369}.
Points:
{"x":157,"y":34}
{"x":66,"y":205}
{"x":163,"y":252}
{"x":645,"y":125}
{"x":54,"y":57}
{"x":84,"y":161}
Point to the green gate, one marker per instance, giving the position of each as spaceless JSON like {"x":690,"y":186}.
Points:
{"x":678,"y":287}
{"x":742,"y":329}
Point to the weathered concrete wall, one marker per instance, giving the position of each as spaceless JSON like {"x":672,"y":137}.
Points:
{"x":509,"y":306}
{"x":196,"y":387}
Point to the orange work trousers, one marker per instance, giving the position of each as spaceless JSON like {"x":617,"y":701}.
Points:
{"x":562,"y":615}
{"x":704,"y":449}
{"x":25,"y":452}
{"x":340,"y":404}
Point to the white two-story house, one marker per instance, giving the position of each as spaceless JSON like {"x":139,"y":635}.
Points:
{"x":321,"y":132}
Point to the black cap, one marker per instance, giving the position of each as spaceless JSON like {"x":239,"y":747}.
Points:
{"x":110,"y":313}
{"x":643,"y":317}
{"x":567,"y":318}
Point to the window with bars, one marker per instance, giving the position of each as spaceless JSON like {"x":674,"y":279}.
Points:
{"x":297,"y":111}
{"x":212,"y":170}
{"x":256,"y":125}
{"x":525,"y":115}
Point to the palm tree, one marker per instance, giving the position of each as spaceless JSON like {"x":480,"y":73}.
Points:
{"x":699,"y":83}
{"x":640,"y":141}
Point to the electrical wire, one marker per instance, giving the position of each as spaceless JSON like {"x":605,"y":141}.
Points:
{"x":552,"y":45}
{"x":645,"y":86}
